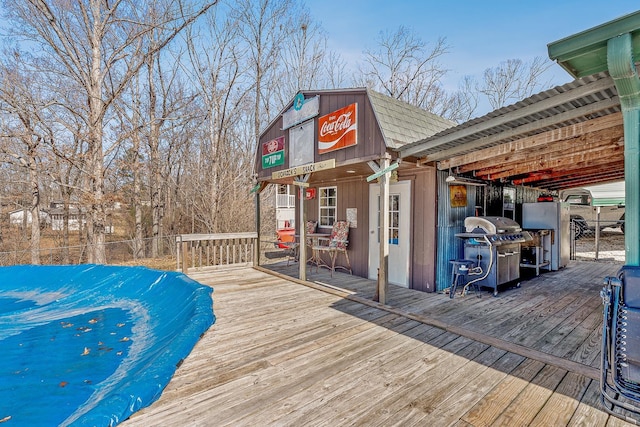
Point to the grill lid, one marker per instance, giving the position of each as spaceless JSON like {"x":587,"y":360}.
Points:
{"x":491,"y":224}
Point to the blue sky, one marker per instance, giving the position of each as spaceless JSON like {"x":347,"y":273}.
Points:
{"x":481,"y":34}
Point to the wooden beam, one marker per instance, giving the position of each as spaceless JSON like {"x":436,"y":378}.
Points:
{"x":551,"y":161}
{"x":562,"y":180}
{"x":588,"y":143}
{"x":577,"y":181}
{"x":528,"y":143}
{"x":521,"y":131}
{"x":518,"y":114}
{"x":570,"y":162}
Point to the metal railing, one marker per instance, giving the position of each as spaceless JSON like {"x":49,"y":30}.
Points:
{"x":216,"y":250}
{"x":285,"y":201}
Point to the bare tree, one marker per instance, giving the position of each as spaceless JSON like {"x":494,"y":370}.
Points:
{"x":463,"y":103}
{"x":405,"y":67}
{"x":303,"y":63}
{"x":24,"y":133}
{"x":217,"y":74}
{"x":98,"y":45}
{"x":513,"y":80}
{"x":264,"y":26}
{"x":336,"y":71}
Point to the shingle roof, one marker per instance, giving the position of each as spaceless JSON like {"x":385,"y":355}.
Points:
{"x":403,"y":123}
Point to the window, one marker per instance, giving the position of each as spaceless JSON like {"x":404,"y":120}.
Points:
{"x":394,"y":219}
{"x":328,"y":200}
{"x":578,"y":199}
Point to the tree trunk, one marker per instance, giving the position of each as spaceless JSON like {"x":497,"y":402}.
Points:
{"x":35,"y":211}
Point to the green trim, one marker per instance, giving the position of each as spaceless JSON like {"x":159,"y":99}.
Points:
{"x":608,"y":202}
{"x":585,"y":53}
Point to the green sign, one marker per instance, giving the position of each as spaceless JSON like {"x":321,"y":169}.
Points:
{"x":273,"y":159}
{"x":381,"y":172}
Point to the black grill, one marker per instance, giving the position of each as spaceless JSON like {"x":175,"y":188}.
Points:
{"x":493,"y":243}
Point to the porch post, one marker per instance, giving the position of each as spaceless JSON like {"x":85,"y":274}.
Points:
{"x":383,"y":272}
{"x":256,"y":249}
{"x":302,"y":244}
{"x":611,"y":47}
{"x":621,"y":66}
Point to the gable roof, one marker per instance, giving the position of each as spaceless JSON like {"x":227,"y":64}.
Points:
{"x":402,"y":123}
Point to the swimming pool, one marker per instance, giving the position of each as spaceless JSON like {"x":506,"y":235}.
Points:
{"x":92,"y":344}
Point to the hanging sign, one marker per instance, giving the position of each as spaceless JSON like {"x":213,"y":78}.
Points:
{"x":338,"y":130}
{"x":273,"y":153}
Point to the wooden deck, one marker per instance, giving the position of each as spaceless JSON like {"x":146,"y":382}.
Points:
{"x":290,"y":354}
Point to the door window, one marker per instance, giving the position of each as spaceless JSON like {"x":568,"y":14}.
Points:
{"x":394,"y":219}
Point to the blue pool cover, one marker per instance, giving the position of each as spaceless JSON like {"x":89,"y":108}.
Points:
{"x":92,"y":344}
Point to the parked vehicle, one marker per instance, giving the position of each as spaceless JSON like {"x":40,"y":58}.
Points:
{"x":584,"y":215}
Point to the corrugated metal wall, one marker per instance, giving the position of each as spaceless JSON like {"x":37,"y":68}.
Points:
{"x":450,"y":222}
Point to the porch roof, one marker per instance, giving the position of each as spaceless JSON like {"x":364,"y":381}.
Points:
{"x":567,"y":136}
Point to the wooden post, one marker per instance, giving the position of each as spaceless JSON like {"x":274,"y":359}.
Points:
{"x":256,"y":242}
{"x":383,"y":273}
{"x":185,"y":257}
{"x":302,"y":244}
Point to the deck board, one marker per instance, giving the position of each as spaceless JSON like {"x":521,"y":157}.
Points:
{"x":282,"y":353}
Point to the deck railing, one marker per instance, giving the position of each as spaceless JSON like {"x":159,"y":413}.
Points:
{"x":216,"y":250}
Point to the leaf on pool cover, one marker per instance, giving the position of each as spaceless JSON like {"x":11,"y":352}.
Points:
{"x":63,"y":383}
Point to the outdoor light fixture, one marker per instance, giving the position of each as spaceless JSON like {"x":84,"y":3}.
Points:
{"x":452,"y":180}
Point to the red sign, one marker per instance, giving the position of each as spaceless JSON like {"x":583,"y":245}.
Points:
{"x":272,"y":146}
{"x":338,"y":129}
{"x":310,"y":194}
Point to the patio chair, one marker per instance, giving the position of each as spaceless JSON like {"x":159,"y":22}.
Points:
{"x":310,"y":229}
{"x":337,"y":243}
{"x":288,"y":243}
{"x":620,"y":355}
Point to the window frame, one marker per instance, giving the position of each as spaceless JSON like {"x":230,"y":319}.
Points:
{"x":324,"y":195}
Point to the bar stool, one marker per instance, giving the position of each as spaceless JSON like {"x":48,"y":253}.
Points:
{"x":460,"y":268}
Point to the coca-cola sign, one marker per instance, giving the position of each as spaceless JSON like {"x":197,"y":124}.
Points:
{"x":338,"y":129}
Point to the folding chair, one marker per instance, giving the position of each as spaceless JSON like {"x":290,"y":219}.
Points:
{"x":620,"y":357}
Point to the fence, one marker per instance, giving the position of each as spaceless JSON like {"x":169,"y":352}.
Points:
{"x":218,"y":250}
{"x":603,"y":244}
{"x":116,"y":252}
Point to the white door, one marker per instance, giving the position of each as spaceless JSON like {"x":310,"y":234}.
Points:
{"x":399,"y":228}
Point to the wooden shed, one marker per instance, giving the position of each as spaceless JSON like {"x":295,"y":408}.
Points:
{"x":340,"y":147}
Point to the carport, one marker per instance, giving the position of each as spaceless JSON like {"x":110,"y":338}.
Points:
{"x":575,"y":135}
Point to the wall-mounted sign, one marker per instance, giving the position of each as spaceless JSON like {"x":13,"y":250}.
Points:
{"x":352,"y":217}
{"x":273,"y":153}
{"x":310,"y":194}
{"x":302,"y":110}
{"x":338,"y":129}
{"x":458,"y":196}
{"x":301,"y":146}
{"x":303,"y":170}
